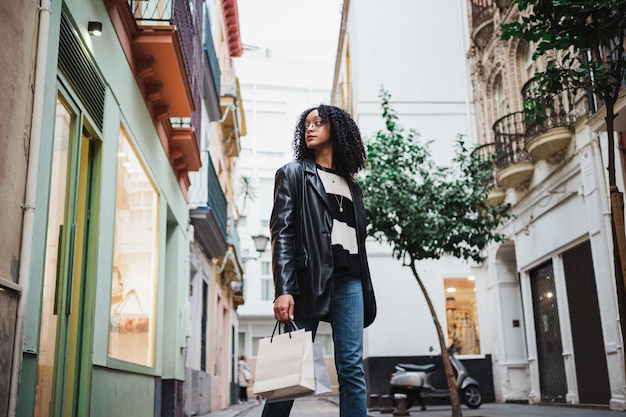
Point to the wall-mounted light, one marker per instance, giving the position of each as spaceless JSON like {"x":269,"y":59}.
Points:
{"x":94,"y":28}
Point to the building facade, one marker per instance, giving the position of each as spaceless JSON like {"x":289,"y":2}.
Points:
{"x":18,"y":125}
{"x":216,"y":273}
{"x":552,"y":283}
{"x":132,"y":103}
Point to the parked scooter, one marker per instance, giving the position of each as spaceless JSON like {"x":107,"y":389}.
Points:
{"x":418,"y":384}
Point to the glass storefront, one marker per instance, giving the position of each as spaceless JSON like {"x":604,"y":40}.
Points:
{"x":65,"y":122}
{"x":134,"y":278}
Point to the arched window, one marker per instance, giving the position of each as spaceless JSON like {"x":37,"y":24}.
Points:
{"x":525,"y":62}
{"x":500,"y":102}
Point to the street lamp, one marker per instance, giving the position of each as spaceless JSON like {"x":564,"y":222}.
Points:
{"x":260,"y":242}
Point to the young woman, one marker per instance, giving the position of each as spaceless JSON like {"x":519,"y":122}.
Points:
{"x":244,"y":378}
{"x":318,"y":230}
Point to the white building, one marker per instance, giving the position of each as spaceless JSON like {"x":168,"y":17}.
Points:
{"x":552,"y":284}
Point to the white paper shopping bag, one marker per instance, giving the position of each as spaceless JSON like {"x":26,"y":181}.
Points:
{"x":322,"y":379}
{"x":285,"y":365}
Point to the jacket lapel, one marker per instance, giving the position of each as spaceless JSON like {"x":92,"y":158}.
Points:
{"x":357,"y":203}
{"x":314,"y":181}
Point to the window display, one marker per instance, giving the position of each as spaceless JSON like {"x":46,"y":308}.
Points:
{"x":462,"y":315}
{"x":134,"y":278}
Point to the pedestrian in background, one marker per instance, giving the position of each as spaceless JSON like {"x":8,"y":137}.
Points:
{"x":244,"y":378}
{"x":318,"y":230}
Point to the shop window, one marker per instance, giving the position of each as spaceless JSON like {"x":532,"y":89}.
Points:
{"x":133,"y":287}
{"x":462,"y":314}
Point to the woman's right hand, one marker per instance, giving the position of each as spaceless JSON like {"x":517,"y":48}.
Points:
{"x":283,"y":307}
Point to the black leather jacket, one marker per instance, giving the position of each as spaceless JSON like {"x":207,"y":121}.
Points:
{"x":305,"y":269}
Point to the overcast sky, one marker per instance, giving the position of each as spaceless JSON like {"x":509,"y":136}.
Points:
{"x":302,"y":30}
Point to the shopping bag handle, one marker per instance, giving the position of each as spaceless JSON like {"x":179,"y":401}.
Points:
{"x":292,"y":325}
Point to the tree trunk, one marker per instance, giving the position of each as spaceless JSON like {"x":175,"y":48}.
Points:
{"x":617,"y":210}
{"x":617,"y":198}
{"x":455,"y":399}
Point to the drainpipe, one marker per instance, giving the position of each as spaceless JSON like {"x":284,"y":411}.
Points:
{"x":30,"y":197}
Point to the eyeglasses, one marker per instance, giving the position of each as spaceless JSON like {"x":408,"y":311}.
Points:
{"x":315,"y":124}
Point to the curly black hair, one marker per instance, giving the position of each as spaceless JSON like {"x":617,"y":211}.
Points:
{"x":349,"y":153}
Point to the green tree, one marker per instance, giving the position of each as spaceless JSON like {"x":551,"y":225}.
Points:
{"x":247,"y":191}
{"x":581,"y":43}
{"x":425,"y":211}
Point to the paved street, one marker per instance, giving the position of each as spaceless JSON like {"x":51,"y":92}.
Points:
{"x":301,"y":408}
{"x":327,"y":407}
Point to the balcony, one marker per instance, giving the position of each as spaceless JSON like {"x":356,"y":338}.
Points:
{"x":548,"y":136}
{"x":162,"y":45}
{"x":231,"y":275}
{"x":515,"y":166}
{"x":482,"y":23}
{"x":233,"y":122}
{"x":211,"y":73}
{"x":504,"y":4}
{"x":210,"y":218}
{"x":496,"y":194}
{"x":233,"y":235}
{"x":238,"y":295}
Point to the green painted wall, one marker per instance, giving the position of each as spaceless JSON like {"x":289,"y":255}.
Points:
{"x":175,"y":290}
{"x":116,"y":393}
{"x":28,"y":379}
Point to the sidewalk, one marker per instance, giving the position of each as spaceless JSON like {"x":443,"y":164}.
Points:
{"x":236,"y":410}
{"x":510,"y":410}
{"x":328,"y":407}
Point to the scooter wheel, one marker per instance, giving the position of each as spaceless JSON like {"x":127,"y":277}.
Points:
{"x":471,"y":396}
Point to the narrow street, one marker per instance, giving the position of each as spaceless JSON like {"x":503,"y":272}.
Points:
{"x":328,"y":407}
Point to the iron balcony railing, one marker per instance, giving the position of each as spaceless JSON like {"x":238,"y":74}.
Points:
{"x":487,"y":153}
{"x":188,"y":25}
{"x":510,"y":140}
{"x":558,"y":111}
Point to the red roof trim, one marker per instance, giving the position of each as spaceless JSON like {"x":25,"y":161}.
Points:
{"x":233,"y":34}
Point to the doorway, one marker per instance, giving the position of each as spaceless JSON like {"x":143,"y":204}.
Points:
{"x":64,"y":367}
{"x":592,"y":374}
{"x":548,"y":334}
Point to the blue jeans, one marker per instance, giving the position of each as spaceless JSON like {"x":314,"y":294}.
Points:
{"x":346,"y":320}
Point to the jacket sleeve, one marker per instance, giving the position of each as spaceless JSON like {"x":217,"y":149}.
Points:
{"x":282,"y":229}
